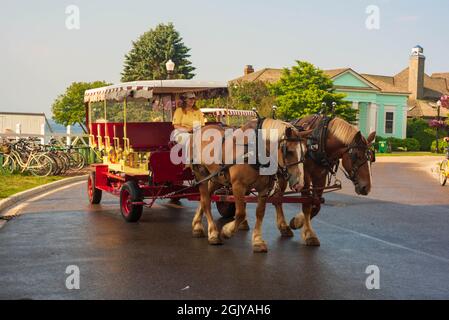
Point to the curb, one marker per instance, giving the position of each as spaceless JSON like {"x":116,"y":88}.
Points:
{"x":15,"y":198}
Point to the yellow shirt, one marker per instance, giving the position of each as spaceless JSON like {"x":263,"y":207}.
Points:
{"x":188,"y":118}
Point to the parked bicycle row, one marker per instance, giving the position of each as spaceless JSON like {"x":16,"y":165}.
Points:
{"x":29,"y":155}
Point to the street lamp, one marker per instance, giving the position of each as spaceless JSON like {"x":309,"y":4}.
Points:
{"x":438,"y":119}
{"x":170,"y":66}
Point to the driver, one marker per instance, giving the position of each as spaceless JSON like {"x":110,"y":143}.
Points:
{"x":186,"y":117}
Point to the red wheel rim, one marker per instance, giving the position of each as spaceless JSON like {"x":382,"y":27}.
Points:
{"x":89,"y":189}
{"x":126,"y":204}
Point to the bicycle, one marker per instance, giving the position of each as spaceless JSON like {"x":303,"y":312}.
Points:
{"x":444,"y":168}
{"x":21,"y":158}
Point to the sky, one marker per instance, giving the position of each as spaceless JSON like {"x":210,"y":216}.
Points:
{"x":40,"y":56}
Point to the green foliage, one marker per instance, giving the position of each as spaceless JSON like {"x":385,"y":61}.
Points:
{"x":68,"y":108}
{"x":302,"y":90}
{"x":441,"y":145}
{"x":420,"y":130}
{"x":244,"y":95}
{"x":147,"y":58}
{"x":396,"y":144}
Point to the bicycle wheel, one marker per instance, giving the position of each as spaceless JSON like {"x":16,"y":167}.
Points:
{"x":57,"y":164}
{"x":77,"y":160}
{"x":8,"y":165}
{"x":41,"y":165}
{"x":444,"y":170}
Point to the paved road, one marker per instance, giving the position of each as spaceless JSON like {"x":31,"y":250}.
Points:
{"x":402,"y":227}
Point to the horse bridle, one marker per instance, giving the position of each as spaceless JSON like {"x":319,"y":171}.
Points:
{"x":356,"y":162}
{"x":283,"y":170}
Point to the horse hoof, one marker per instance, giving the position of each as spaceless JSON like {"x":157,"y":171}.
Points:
{"x":312,"y":242}
{"x":215,"y":241}
{"x":225,"y":235}
{"x":199,"y":233}
{"x":260,"y":247}
{"x":244,"y":226}
{"x":295,"y":224}
{"x":286,"y":232}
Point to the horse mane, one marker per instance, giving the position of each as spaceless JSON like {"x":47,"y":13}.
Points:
{"x":278,"y":125}
{"x":342,"y":130}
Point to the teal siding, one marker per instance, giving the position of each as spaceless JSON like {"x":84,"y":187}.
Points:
{"x":363,"y":117}
{"x":382,"y":100}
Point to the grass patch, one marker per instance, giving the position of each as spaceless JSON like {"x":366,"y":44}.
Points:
{"x":14,"y":183}
{"x":409,"y":154}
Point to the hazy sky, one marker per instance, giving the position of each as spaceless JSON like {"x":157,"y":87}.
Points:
{"x":40,"y":57}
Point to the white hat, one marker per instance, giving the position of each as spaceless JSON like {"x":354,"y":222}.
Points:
{"x":189,"y":95}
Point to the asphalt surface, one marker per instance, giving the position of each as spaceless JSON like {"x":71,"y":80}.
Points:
{"x":402,"y":227}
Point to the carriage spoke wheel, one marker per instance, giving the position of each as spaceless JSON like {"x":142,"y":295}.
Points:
{"x":93,"y":193}
{"x":225,"y":209}
{"x":130,"y":193}
{"x":443,"y":172}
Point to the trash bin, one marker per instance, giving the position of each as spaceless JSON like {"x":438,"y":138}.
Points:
{"x":382,"y":146}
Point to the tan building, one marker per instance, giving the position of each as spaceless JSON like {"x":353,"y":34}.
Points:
{"x":423,"y":90}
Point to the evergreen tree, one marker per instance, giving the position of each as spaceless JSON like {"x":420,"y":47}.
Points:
{"x":147,"y":58}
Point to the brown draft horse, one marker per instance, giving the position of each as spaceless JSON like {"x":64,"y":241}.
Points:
{"x":344,"y":141}
{"x":242,"y":178}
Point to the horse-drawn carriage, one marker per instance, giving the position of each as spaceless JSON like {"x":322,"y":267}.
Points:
{"x":130,"y":126}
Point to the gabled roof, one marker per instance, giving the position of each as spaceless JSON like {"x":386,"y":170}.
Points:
{"x":427,"y":109}
{"x":434,"y":86}
{"x":271,"y":75}
{"x":266,"y":75}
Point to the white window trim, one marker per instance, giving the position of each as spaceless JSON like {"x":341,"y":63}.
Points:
{"x":391,"y":109}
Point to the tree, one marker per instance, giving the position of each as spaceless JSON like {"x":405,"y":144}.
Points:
{"x":147,"y":58}
{"x":244,"y":95}
{"x":68,"y":108}
{"x":302,"y":90}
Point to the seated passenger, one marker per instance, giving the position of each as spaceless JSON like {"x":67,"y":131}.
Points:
{"x":186,"y":117}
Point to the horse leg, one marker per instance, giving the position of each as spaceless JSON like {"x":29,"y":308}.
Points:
{"x":318,"y":182}
{"x":280,"y":217}
{"x":259,"y":245}
{"x":298,"y":221}
{"x":212,"y":231}
{"x":308,"y":234}
{"x":197,"y":224}
{"x":231,"y":228}
{"x":244,"y":226}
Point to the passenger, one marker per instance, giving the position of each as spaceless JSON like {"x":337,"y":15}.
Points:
{"x":185,"y":120}
{"x":186,"y":117}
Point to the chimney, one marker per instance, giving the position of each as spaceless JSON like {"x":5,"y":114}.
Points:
{"x":416,"y":73}
{"x":248,"y":69}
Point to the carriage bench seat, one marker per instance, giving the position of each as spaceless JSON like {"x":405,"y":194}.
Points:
{"x":142,"y":136}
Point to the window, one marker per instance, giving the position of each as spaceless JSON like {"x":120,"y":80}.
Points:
{"x":389,"y":121}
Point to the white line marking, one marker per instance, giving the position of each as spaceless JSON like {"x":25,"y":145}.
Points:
{"x":384,"y":241}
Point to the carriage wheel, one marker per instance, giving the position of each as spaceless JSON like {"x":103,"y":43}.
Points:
{"x":226,"y":209}
{"x":130,"y":192}
{"x":93,"y":193}
{"x":443,"y":172}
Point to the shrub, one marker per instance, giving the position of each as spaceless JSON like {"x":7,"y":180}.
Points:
{"x":412,"y":144}
{"x":419,"y":129}
{"x":441,"y":145}
{"x":396,"y":144}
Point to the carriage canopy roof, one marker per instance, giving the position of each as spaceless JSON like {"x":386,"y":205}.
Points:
{"x":228,"y":112}
{"x":146,"y":89}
